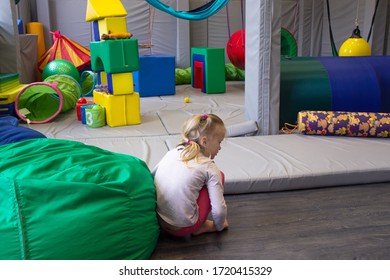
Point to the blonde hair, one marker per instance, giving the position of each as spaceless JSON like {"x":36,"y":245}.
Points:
{"x":193,"y":129}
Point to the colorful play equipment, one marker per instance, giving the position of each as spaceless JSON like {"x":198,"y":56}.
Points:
{"x":355,"y":45}
{"x":330,"y":123}
{"x":70,"y":89}
{"x":37,"y":28}
{"x":9,"y":89}
{"x":95,"y":116}
{"x":11,"y":131}
{"x":66,"y":49}
{"x":156,"y":76}
{"x":183,"y":76}
{"x":114,"y":60}
{"x":88,"y":81}
{"x":60,"y":67}
{"x":71,"y":201}
{"x":235,"y":49}
{"x":200,"y":13}
{"x":348,"y":84}
{"x":98,"y":9}
{"x":232,"y":73}
{"x":288,"y":44}
{"x":208,"y":69}
{"x":41,"y":102}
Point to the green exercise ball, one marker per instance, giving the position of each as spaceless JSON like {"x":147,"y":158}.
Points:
{"x":61,"y":66}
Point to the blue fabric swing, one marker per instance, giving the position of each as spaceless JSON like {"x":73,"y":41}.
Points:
{"x":202,"y":12}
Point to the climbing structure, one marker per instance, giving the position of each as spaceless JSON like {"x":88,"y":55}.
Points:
{"x":114,"y":57}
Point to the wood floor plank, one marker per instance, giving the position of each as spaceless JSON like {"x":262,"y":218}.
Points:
{"x":349,"y":222}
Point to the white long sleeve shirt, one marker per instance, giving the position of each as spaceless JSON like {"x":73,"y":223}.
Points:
{"x":178,"y":185}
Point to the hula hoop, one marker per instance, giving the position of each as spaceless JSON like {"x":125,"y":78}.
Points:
{"x":85,"y":89}
{"x":52,"y":86}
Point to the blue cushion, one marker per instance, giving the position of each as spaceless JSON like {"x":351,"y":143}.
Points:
{"x":10,"y":132}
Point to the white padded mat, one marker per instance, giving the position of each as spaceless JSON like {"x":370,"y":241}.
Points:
{"x":250,"y":164}
{"x":159,"y":115}
{"x":149,"y":149}
{"x":287,"y":162}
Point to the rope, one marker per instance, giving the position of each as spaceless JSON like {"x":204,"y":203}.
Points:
{"x":289,"y":128}
{"x":149,"y":45}
{"x":357,"y":14}
{"x":373,"y":19}
{"x":228,"y":20}
{"x":334,"y":50}
{"x":296,"y":18}
{"x":243,"y":22}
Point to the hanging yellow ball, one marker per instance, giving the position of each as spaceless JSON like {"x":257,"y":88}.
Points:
{"x":355,"y":45}
{"x":186,"y":99}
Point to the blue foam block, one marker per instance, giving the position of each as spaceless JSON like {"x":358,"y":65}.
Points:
{"x":95,"y":28}
{"x":7,"y":109}
{"x":20,"y":26}
{"x":156,"y":76}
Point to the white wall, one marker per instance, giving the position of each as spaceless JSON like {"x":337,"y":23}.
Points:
{"x":306,"y":19}
{"x":9,"y":43}
{"x":168,"y":35}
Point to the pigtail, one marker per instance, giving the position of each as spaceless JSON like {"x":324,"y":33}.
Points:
{"x":191,"y":150}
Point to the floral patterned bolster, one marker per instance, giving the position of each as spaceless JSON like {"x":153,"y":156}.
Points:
{"x":334,"y":123}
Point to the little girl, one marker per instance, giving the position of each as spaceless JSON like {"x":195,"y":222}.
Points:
{"x":188,"y":182}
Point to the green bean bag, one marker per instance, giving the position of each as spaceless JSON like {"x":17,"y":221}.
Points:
{"x":63,"y":199}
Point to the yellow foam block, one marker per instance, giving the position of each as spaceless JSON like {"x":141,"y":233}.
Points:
{"x":98,"y":9}
{"x":9,"y":85}
{"x":118,"y":83}
{"x":120,"y":109}
{"x":9,"y":96}
{"x":112,"y":25}
{"x":102,"y":77}
{"x":37,"y":28}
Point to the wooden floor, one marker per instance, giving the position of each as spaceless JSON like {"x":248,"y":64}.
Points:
{"x":340,"y":223}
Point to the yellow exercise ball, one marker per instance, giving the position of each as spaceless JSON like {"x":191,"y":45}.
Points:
{"x":355,"y":46}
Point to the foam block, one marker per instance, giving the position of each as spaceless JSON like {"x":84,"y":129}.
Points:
{"x":8,"y":77}
{"x":7,"y":109}
{"x":118,"y":83}
{"x":156,"y":76}
{"x":95,"y":116}
{"x":115,"y":56}
{"x":9,"y":96}
{"x":213,"y":69}
{"x":20,"y":26}
{"x":95,"y":30}
{"x":98,"y":9}
{"x":112,"y":25}
{"x":83,"y":109}
{"x":120,"y":109}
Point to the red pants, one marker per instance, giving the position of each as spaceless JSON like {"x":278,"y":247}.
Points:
{"x":204,"y":207}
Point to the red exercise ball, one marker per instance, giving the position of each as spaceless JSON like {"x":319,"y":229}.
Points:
{"x":235,"y":49}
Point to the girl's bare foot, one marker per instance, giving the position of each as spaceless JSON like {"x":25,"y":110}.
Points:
{"x":208,"y":226}
{"x":225,"y":224}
